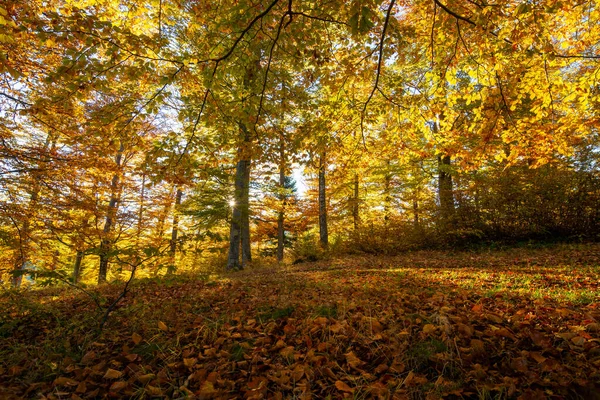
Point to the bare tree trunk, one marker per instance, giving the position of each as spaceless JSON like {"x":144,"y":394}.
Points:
{"x":282,"y":197}
{"x":323,"y":235}
{"x":355,"y":204}
{"x":77,"y":266}
{"x":235,"y":232}
{"x":416,"y":209}
{"x":159,"y":230}
{"x":111,"y":214}
{"x":246,"y":250}
{"x":239,"y":233}
{"x":387,"y":194}
{"x":25,"y":231}
{"x":175,"y":229}
{"x":445,"y":190}
{"x":141,"y":211}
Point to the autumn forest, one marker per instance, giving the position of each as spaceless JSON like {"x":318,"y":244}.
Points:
{"x":300,"y":199}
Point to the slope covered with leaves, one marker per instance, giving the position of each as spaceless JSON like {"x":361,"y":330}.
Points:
{"x":522,"y":322}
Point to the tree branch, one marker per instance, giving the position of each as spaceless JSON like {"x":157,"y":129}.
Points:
{"x":378,"y":74}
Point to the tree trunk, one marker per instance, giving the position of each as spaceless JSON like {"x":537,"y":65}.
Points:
{"x":175,"y":229}
{"x":387,"y":194}
{"x":246,"y":250}
{"x":111,"y":214}
{"x":235,"y":232}
{"x":282,"y":197}
{"x":445,"y":191}
{"x":25,"y":233}
{"x":355,"y":201}
{"x":416,"y":209}
{"x":77,"y":266}
{"x":323,"y":235}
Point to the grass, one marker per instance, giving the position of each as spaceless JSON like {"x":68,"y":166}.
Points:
{"x":453,"y":326}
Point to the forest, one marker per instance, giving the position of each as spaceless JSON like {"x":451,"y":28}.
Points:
{"x":299,"y":199}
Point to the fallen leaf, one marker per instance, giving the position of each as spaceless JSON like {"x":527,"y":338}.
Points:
{"x":64,"y":381}
{"x":118,"y":386}
{"x":162,"y":326}
{"x":88,"y":358}
{"x":578,"y":341}
{"x":137,"y":339}
{"x":353,"y":360}
{"x":112,"y":374}
{"x":429,"y":329}
{"x":190,"y":362}
{"x":207,"y":388}
{"x":342,"y":386}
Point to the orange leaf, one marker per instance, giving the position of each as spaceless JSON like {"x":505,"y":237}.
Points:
{"x":429,"y":329}
{"x":207,"y":388}
{"x":118,"y":386}
{"x":353,"y":360}
{"x":136,"y":338}
{"x":343,"y":387}
{"x":190,"y":362}
{"x":162,"y":326}
{"x":64,"y":381}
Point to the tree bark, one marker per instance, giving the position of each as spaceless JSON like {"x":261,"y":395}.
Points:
{"x":111,"y":214}
{"x":355,"y":204}
{"x":445,"y":189}
{"x":175,"y":228}
{"x":387,"y":194}
{"x":235,"y":231}
{"x":25,"y":232}
{"x":77,"y":266}
{"x":282,"y":198}
{"x":246,"y":250}
{"x":323,"y":234}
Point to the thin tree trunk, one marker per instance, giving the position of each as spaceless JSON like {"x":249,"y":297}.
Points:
{"x":77,"y":266}
{"x":387,"y":194}
{"x":141,"y":211}
{"x":175,"y":229}
{"x":246,"y":250}
{"x":323,"y":235}
{"x":111,"y":214}
{"x":416,"y":209}
{"x":25,"y":232}
{"x":159,"y":230}
{"x":355,"y":205}
{"x":282,"y":197}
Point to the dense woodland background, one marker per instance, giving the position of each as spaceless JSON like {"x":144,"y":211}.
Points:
{"x":163,"y":135}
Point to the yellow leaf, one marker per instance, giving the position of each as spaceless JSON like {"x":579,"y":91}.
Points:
{"x":162,"y":326}
{"x":190,"y":362}
{"x":429,"y":329}
{"x":112,"y":374}
{"x":207,"y":388}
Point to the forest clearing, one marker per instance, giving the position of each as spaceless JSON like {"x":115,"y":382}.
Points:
{"x":394,"y":199}
{"x":518,"y":323}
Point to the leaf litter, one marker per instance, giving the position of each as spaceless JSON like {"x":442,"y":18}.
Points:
{"x":512,"y":324}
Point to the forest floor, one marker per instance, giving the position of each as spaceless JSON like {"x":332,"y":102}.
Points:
{"x":518,"y":323}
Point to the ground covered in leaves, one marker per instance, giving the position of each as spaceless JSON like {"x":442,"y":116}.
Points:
{"x":520,"y":323}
